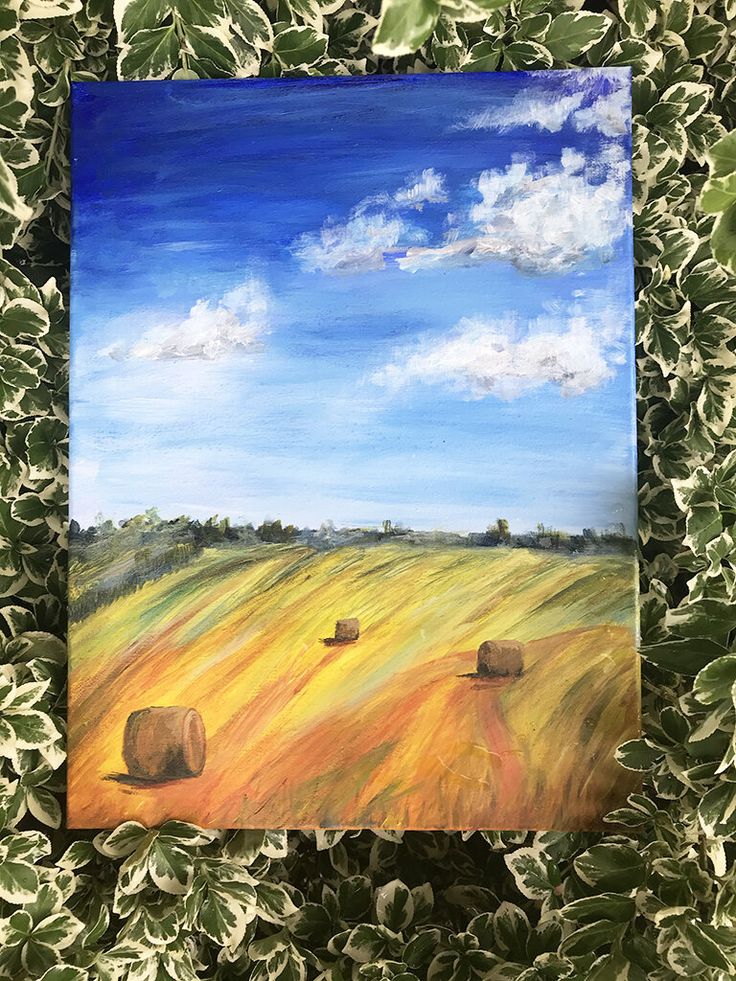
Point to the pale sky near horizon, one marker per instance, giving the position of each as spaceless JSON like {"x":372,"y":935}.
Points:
{"x":355,"y":299}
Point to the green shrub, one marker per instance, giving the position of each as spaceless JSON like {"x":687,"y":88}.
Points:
{"x":656,"y":898}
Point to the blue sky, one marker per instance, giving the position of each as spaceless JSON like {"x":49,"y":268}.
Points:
{"x":355,"y":299}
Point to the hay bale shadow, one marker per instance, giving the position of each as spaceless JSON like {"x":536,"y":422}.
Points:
{"x":484,"y":681}
{"x":141,"y":782}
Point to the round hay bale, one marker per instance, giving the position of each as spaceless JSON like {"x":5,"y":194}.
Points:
{"x":348,"y":629}
{"x":164,"y":743}
{"x":500,"y":658}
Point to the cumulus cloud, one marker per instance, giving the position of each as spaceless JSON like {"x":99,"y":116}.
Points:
{"x":570,"y":349}
{"x":542,"y":221}
{"x":211,"y":330}
{"x":609,"y":114}
{"x":374,"y":229}
{"x":602,"y":104}
{"x":429,"y":188}
{"x":357,"y":245}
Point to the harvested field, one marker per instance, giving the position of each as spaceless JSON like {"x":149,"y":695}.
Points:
{"x":381,"y":732}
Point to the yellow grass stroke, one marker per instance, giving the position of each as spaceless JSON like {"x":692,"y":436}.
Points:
{"x":385,"y":732}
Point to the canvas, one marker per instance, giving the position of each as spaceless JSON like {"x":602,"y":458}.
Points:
{"x":352,"y":452}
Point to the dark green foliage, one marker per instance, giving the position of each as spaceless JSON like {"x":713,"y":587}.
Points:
{"x":274,"y":532}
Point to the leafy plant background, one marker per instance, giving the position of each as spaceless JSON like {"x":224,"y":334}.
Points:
{"x":654,"y":898}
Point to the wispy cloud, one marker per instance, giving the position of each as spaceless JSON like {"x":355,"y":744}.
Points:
{"x":375,"y":227}
{"x":428,"y":188}
{"x":545,"y":220}
{"x":575,"y":349}
{"x":525,"y":109}
{"x":213,"y":329}
{"x":357,"y":245}
{"x":600,"y":103}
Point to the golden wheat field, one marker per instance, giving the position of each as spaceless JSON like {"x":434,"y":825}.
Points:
{"x":385,"y":732}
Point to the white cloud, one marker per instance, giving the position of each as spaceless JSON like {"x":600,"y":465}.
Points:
{"x":608,"y":113}
{"x":428,"y":189}
{"x":547,"y":219}
{"x":374,"y":228}
{"x":542,"y":221}
{"x":212,"y":329}
{"x":573,"y":350}
{"x":526,"y":109}
{"x":358,"y":245}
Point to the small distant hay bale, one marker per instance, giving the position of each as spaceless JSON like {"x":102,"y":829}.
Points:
{"x":348,"y":629}
{"x":164,"y":743}
{"x":500,"y":659}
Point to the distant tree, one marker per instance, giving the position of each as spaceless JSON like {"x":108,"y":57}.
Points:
{"x":83,"y":536}
{"x":274,"y":532}
{"x":213,"y":531}
{"x":230,"y":534}
{"x":387,"y":527}
{"x":548,"y":536}
{"x":497,"y":534}
{"x":104,"y":528}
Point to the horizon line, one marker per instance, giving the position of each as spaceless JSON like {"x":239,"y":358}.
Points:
{"x":374,"y":526}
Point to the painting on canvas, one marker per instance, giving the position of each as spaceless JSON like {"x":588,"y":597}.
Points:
{"x":353,"y":452}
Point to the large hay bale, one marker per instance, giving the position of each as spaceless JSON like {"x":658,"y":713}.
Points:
{"x":164,"y":743}
{"x":500,"y":658}
{"x":348,"y":629}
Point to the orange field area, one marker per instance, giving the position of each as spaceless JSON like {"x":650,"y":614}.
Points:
{"x":384,"y":732}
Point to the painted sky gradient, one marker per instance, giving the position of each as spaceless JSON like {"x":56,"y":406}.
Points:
{"x":183,"y":192}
